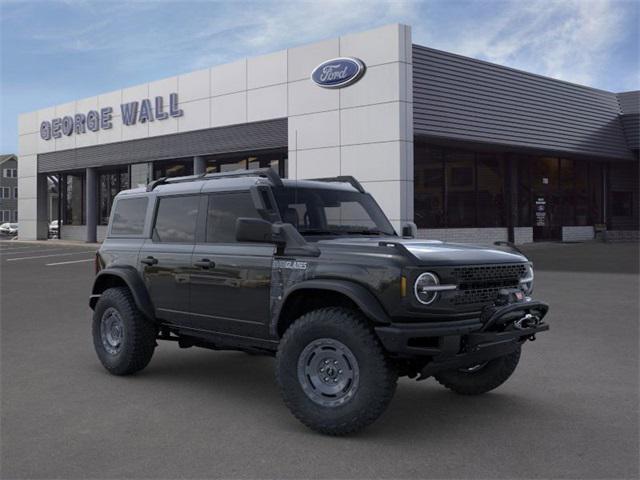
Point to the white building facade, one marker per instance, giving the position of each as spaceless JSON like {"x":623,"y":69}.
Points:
{"x":268,"y":111}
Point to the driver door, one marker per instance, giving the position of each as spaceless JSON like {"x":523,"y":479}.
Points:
{"x":230,"y":288}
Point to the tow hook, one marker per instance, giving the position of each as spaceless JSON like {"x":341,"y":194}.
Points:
{"x":527,"y":321}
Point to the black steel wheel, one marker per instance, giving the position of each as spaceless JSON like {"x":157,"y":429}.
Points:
{"x":123,"y":339}
{"x":332,"y":372}
{"x":328,"y":372}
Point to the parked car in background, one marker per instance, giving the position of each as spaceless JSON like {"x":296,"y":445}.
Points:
{"x":9,"y":229}
{"x":54,"y":229}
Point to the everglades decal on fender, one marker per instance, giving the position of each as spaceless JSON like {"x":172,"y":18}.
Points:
{"x":338,"y":72}
{"x":290,"y":264}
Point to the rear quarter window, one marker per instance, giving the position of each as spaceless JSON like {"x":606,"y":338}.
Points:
{"x":129,"y":215}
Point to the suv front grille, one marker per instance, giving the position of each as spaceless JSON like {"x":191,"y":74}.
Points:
{"x":480,"y":284}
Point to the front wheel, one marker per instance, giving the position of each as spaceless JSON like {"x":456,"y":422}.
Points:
{"x":481,"y":378}
{"x":332,"y":372}
{"x":123,"y":339}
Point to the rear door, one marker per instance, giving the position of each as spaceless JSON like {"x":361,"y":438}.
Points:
{"x":230,"y":289}
{"x":166,"y":257}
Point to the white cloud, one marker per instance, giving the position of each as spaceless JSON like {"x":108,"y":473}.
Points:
{"x":569,"y":40}
{"x":270,"y":26}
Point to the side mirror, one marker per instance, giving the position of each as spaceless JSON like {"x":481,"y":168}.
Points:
{"x":284,"y":235}
{"x":254,"y":230}
{"x":410,"y":230}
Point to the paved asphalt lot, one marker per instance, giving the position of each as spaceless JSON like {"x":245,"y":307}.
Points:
{"x":570,"y":410}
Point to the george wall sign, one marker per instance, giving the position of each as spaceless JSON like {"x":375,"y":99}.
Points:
{"x":94,"y":120}
{"x":338,"y":72}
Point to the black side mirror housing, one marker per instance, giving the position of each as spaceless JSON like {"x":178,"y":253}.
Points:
{"x":284,"y":235}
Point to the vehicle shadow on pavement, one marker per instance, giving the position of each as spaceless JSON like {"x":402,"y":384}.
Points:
{"x":419,"y":410}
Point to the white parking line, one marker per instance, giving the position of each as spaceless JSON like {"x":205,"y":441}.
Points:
{"x":39,"y":250}
{"x":67,"y":263}
{"x":44,"y":256}
{"x":17,"y":249}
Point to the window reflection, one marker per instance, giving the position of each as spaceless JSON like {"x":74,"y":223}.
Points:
{"x":73,"y":199}
{"x":110,"y":183}
{"x":460,"y":188}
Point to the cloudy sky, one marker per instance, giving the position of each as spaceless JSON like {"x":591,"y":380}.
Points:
{"x":57,"y":51}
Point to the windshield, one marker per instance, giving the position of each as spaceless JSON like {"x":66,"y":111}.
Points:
{"x":317,"y":211}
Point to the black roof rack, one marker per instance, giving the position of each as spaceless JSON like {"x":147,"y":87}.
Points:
{"x":268,"y":173}
{"x":342,"y":179}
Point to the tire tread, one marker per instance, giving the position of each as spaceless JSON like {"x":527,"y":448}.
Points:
{"x":341,"y":318}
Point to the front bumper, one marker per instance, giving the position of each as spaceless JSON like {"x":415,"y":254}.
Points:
{"x":463,"y":343}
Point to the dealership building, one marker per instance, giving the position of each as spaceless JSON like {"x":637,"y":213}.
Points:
{"x":468,"y":150}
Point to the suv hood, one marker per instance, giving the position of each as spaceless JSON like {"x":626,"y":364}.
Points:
{"x":432,"y":252}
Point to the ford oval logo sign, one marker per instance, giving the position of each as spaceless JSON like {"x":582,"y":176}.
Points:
{"x":338,"y":73}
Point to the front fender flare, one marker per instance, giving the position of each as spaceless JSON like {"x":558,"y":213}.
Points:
{"x":132,"y":280}
{"x":363,"y":298}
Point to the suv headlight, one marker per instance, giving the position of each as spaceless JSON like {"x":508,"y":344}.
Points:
{"x":526,"y":282}
{"x":425,"y":288}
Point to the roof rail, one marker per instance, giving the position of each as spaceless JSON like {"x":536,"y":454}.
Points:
{"x":342,"y":179}
{"x":268,"y":173}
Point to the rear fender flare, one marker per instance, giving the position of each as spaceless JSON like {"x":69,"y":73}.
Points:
{"x":132,"y":280}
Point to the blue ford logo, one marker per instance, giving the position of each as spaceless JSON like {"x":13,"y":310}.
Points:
{"x":338,"y":73}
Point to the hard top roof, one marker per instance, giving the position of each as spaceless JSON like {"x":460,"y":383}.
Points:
{"x":240,"y":180}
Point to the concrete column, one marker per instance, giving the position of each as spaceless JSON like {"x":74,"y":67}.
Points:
{"x":199,"y":165}
{"x":91,"y":205}
{"x":42,"y":211}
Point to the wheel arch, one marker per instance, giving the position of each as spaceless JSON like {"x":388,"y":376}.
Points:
{"x":123,"y":277}
{"x":312,"y":294}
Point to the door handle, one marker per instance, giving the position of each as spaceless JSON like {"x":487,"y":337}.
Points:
{"x":149,"y":261}
{"x":204,"y":263}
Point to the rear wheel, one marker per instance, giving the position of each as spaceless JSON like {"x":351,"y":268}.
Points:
{"x":123,"y":339}
{"x":481,"y":378}
{"x":332,"y":372}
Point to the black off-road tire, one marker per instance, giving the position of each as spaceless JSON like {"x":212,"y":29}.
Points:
{"x":485,"y":379}
{"x":377,"y":377}
{"x":138,"y":339}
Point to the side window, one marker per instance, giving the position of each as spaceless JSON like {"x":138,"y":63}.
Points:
{"x":128,"y":216}
{"x":224,"y":210}
{"x":176,"y":219}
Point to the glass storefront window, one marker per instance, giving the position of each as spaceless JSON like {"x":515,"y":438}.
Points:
{"x":623,"y":199}
{"x":429,"y":187}
{"x":73,"y":193}
{"x":173,"y":168}
{"x":567,"y":192}
{"x":581,"y":172}
{"x":491,"y":199}
{"x":596,"y":193}
{"x":233,"y":165}
{"x":229,"y":163}
{"x":457,"y":189}
{"x":109,"y":184}
{"x":460,"y":188}
{"x":523,"y":179}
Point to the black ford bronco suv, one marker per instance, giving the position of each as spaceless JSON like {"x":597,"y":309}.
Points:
{"x":313,"y":273}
